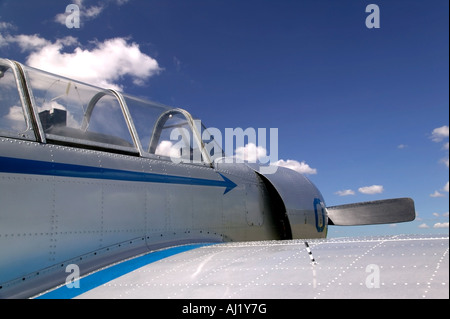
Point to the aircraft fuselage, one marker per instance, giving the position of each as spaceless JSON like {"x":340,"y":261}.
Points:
{"x":69,"y":197}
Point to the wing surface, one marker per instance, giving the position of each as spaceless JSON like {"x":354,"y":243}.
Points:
{"x":402,"y":266}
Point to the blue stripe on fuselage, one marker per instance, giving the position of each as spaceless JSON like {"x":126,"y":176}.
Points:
{"x":33,"y":167}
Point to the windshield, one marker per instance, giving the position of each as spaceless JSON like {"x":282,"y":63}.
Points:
{"x":168,"y":132}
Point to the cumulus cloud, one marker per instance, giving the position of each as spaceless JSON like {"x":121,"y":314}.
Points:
{"x":31,"y":42}
{"x":5,"y":26}
{"x":440,"y":134}
{"x":368,"y":190}
{"x":371,"y":190}
{"x":437,"y":194}
{"x":436,"y":224}
{"x":346,"y":192}
{"x":166,"y":148}
{"x":251,"y":153}
{"x":300,"y":167}
{"x":104,"y":64}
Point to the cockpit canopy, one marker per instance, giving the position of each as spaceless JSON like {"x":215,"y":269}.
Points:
{"x":36,"y":105}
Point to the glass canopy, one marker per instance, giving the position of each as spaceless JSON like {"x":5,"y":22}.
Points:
{"x":69,"y":112}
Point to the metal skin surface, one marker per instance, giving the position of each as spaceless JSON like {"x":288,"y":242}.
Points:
{"x":63,"y":205}
{"x":382,"y":267}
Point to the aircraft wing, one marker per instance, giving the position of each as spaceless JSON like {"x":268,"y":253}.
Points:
{"x":402,"y":266}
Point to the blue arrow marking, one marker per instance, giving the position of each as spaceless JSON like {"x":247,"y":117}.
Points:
{"x":32,"y":167}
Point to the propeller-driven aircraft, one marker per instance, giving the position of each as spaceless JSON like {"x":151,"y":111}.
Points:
{"x":87,"y":178}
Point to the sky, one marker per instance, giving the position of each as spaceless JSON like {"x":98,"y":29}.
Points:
{"x":361,"y":107}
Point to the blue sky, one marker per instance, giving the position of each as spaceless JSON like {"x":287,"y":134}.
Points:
{"x":365,"y":110}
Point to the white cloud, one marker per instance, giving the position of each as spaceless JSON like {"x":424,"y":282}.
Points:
{"x":27,"y":42}
{"x":436,"y":194}
{"x":253,"y":154}
{"x":424,"y":226}
{"x":346,"y":192}
{"x":446,"y":214}
{"x":374,"y":189}
{"x":445,"y":161}
{"x":250,"y":153}
{"x":441,"y":225}
{"x":445,"y":189}
{"x":300,"y":167}
{"x":4,"y":26}
{"x":14,"y":118}
{"x":104,"y":65}
{"x":418,"y":218}
{"x":166,"y":148}
{"x":440,"y":133}
{"x":94,"y":11}
{"x":402,"y":146}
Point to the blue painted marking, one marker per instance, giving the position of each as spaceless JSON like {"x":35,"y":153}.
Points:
{"x":32,"y":167}
{"x":320,"y":219}
{"x":103,"y":276}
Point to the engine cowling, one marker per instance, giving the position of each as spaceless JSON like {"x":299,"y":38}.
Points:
{"x":302,"y":202}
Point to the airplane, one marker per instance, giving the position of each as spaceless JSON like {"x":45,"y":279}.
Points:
{"x":87,"y":184}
